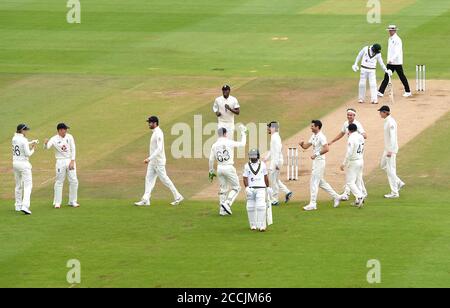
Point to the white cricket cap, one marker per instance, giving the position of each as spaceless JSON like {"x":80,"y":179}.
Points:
{"x":392,"y":28}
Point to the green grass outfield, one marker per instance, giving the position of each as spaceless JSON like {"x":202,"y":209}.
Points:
{"x":191,"y":246}
{"x":129,"y":59}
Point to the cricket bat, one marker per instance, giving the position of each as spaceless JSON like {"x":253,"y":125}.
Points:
{"x":391,"y":91}
{"x":269,"y":211}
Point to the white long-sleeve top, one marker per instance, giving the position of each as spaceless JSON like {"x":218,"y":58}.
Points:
{"x":395,"y":50}
{"x":64,"y":146}
{"x":222,"y":151}
{"x":275,"y":155}
{"x":369,"y":59}
{"x":157,"y":152}
{"x":21,"y":148}
{"x":390,"y":135}
{"x":355,"y":148}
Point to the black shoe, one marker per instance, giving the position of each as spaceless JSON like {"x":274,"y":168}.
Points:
{"x":288,"y":197}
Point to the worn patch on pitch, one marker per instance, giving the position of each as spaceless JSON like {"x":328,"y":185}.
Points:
{"x":352,"y":7}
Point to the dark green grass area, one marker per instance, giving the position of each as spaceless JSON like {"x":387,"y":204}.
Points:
{"x":191,"y":246}
{"x":197,"y":37}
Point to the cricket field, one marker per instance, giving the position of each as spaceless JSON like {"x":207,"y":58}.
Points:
{"x":286,"y":60}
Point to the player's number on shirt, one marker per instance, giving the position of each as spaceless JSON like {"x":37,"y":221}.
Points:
{"x":16,"y":150}
{"x":360,"y":149}
{"x":223,"y":156}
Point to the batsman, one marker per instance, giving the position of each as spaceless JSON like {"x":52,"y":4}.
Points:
{"x":256,"y":182}
{"x":369,"y":56}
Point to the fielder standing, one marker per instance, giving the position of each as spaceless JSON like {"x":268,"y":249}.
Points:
{"x":275,"y":156}
{"x":22,"y":150}
{"x":389,"y":159}
{"x":222,"y":151}
{"x":256,"y":182}
{"x":354,"y":162}
{"x":157,"y":166}
{"x":65,"y":154}
{"x":226,"y":107}
{"x":351,"y":119}
{"x":395,"y":61}
{"x":369,"y":56}
{"x":320,"y":147}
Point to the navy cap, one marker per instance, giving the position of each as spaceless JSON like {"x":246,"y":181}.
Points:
{"x":226,"y":87}
{"x":62,"y":126}
{"x":385,"y":109}
{"x":153,"y":119}
{"x":21,"y":127}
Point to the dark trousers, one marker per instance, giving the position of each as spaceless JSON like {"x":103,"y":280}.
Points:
{"x":401,"y":74}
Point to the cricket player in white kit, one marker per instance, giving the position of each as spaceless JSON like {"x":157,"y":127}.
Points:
{"x":22,"y":150}
{"x":320,"y":147}
{"x":275,"y":155}
{"x":65,"y":154}
{"x":226,"y":107}
{"x":157,"y":166}
{"x":389,"y":159}
{"x":256,"y":182}
{"x":354,"y":162}
{"x":369,"y":56}
{"x":222,"y":151}
{"x":351,"y":119}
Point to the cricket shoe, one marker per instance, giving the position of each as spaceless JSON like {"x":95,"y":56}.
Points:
{"x":361,"y":101}
{"x":380,"y":94}
{"x":26,"y":211}
{"x":360,"y":202}
{"x":407,"y":94}
{"x":74,"y":204}
{"x":262,"y":230}
{"x":19,"y":208}
{"x":275,"y":203}
{"x":392,"y":196}
{"x":178,"y":201}
{"x":401,"y":185}
{"x":310,"y":207}
{"x":345,"y":197}
{"x":337,"y":202}
{"x":57,"y":206}
{"x":142,"y":203}
{"x":375,"y":103}
{"x":226,"y":207}
{"x":253,"y":228}
{"x":288,"y":197}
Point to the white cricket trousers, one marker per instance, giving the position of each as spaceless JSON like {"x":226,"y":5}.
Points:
{"x":370,"y":75}
{"x":389,"y":164}
{"x":318,"y":180}
{"x":154,"y":172}
{"x":276,"y":184}
{"x":354,"y":178}
{"x":229,"y":186}
{"x":257,"y":208}
{"x":24,"y":184}
{"x":62,"y":171}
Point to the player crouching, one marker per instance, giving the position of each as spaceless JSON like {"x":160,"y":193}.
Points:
{"x":256,"y":182}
